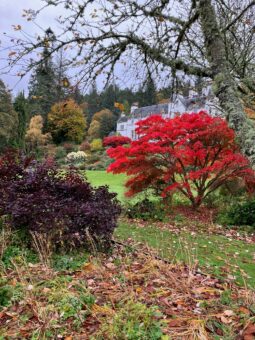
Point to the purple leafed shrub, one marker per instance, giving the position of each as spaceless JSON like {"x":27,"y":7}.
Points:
{"x":38,"y":198}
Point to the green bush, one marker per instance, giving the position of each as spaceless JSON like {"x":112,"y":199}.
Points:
{"x":239,"y":214}
{"x":146,"y":210}
{"x":98,"y":161}
{"x":60,"y":153}
{"x":9,"y":294}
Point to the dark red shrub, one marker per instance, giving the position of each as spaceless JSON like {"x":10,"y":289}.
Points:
{"x":63,"y":206}
{"x":85,"y":146}
{"x":194,"y":154}
{"x":69,"y":147}
{"x":114,"y":141}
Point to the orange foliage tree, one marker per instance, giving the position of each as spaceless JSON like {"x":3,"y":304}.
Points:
{"x":34,"y":136}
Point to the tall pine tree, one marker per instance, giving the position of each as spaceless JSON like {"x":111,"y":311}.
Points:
{"x":149,"y":94}
{"x":93,"y":100}
{"x":43,"y":87}
{"x":21,"y":107}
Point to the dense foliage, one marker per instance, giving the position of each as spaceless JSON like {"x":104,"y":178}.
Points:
{"x":146,"y":210}
{"x":114,"y":141}
{"x":194,"y":154}
{"x":63,"y":207}
{"x":34,"y":137}
{"x":102,"y":124}
{"x":43,"y":87}
{"x":21,"y":107}
{"x":96,"y":144}
{"x":8,"y":118}
{"x":66,"y":122}
{"x":239,"y":214}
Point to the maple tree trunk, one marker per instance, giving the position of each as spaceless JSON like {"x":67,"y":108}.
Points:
{"x":224,"y":86}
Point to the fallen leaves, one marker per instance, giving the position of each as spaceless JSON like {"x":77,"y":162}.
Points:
{"x":186,"y":306}
{"x":249,"y":332}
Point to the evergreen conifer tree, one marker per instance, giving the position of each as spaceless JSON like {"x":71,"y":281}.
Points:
{"x":21,"y":107}
{"x":149,"y":95}
{"x":8,"y":118}
{"x":93,"y":100}
{"x":43,"y":89}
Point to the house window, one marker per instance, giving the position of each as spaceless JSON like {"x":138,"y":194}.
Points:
{"x":122,"y":127}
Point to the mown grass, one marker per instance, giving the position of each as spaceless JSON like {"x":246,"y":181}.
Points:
{"x":115,"y":182}
{"x":217,"y":254}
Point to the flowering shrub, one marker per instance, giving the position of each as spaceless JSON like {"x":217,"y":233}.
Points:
{"x":194,"y":154}
{"x":76,"y":157}
{"x":64,"y":207}
{"x":114,"y":141}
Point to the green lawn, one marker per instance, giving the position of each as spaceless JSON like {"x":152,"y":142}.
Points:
{"x":115,"y":182}
{"x":215,"y":253}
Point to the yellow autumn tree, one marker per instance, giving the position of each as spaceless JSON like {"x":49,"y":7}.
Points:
{"x":66,"y":122}
{"x":34,"y":136}
{"x":102,"y":124}
{"x":94,"y":129}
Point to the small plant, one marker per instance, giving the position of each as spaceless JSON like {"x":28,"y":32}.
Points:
{"x":69,"y":262}
{"x":239,"y":214}
{"x":132,"y":321}
{"x":146,"y":210}
{"x":9,"y":294}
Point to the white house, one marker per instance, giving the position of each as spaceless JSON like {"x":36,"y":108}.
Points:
{"x":126,"y":124}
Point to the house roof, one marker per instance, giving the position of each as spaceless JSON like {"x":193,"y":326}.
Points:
{"x":123,"y":119}
{"x":145,"y":111}
{"x":194,"y":104}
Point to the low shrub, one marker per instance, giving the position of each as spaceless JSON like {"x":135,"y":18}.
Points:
{"x":114,"y":141}
{"x":146,"y":210}
{"x":63,"y":207}
{"x":60,"y":153}
{"x":70,"y":147}
{"x":239,"y":214}
{"x":98,"y":161}
{"x":96,"y":144}
{"x":49,"y":150}
{"x":85,"y":146}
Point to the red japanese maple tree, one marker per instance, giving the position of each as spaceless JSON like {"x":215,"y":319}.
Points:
{"x":193,"y":154}
{"x":114,"y":141}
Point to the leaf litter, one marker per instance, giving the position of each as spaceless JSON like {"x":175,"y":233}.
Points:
{"x":192,"y":305}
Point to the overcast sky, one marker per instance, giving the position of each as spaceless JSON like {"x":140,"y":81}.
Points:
{"x":11,"y":14}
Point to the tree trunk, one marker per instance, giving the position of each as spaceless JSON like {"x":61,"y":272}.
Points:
{"x":224,"y":85}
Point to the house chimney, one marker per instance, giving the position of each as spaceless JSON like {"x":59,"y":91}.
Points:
{"x":134,"y":106}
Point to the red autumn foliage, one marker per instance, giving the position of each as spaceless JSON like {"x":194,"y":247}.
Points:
{"x":114,"y":141}
{"x":193,"y":154}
